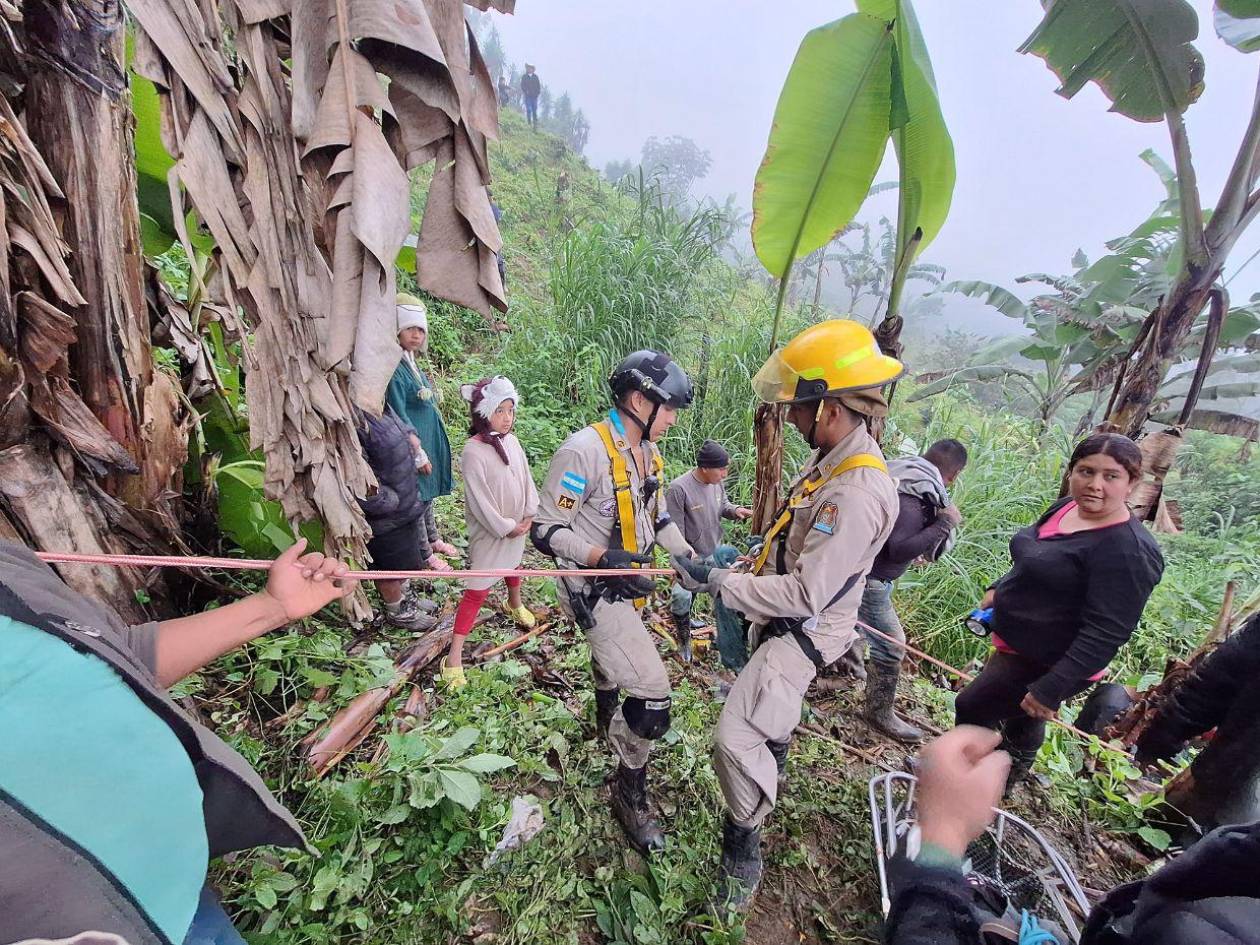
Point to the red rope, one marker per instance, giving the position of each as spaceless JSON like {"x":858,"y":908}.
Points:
{"x":256,"y":564}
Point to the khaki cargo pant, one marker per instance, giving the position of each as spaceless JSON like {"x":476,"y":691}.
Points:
{"x":765,"y":705}
{"x":624,"y":656}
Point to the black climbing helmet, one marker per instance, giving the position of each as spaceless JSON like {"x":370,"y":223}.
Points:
{"x":655,"y":375}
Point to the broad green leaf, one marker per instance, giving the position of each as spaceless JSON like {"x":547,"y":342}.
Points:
{"x":457,"y":744}
{"x":1000,"y":350}
{"x":1139,"y":52}
{"x":925,"y":151}
{"x":486,"y":763}
{"x":460,"y":786}
{"x":1238,"y":23}
{"x":968,"y":375}
{"x":1159,"y":839}
{"x":1042,"y":352}
{"x":1001,"y":299}
{"x":828,"y":138}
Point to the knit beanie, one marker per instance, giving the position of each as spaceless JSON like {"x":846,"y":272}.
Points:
{"x":411,"y":312}
{"x":711,"y":455}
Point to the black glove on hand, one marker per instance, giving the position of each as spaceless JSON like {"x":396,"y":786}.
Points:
{"x":623,"y":588}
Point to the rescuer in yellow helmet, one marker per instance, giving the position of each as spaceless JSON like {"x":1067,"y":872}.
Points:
{"x":802,"y":592}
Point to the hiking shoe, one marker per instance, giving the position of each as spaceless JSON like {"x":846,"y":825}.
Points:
{"x":522,"y":615}
{"x":411,"y":617}
{"x":452,"y":677}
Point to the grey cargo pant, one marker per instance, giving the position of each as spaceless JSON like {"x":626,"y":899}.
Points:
{"x":624,"y":656}
{"x":764,"y":705}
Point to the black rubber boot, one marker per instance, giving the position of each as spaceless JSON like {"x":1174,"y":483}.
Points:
{"x":741,"y":865}
{"x":780,"y":752}
{"x":606,"y":702}
{"x":881,"y":693}
{"x":682,"y":631}
{"x":1021,"y":766}
{"x":631,"y":807}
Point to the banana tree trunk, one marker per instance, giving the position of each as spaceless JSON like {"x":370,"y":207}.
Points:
{"x":99,"y":386}
{"x":1172,"y":323}
{"x":768,"y":439}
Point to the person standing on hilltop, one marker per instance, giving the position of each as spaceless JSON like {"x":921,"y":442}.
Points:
{"x":531,"y":88}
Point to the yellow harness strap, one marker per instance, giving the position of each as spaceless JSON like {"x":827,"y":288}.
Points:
{"x":860,"y":461}
{"x":626,"y":518}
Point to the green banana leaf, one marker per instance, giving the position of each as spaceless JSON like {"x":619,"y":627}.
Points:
{"x":1001,"y":299}
{"x":828,"y":138}
{"x":925,"y":151}
{"x":1238,"y":23}
{"x":1139,"y":52}
{"x":967,"y":375}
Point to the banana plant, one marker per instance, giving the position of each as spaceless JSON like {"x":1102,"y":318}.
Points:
{"x":855,"y":84}
{"x":1143,"y":58}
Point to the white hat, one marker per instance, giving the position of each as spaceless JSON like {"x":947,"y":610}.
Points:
{"x":485,"y":396}
{"x":413,"y":316}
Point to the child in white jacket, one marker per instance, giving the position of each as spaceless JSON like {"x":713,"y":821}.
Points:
{"x":500,"y":501}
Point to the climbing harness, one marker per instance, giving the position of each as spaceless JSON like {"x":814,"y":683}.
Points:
{"x":627,"y":520}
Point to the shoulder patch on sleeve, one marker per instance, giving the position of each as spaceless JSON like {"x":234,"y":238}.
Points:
{"x":566,"y":502}
{"x":573,"y":482}
{"x":825,"y":521}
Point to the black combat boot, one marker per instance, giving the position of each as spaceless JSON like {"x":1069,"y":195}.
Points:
{"x":741,"y":865}
{"x":881,"y":692}
{"x":682,"y":630}
{"x":780,"y":752}
{"x":633,"y":811}
{"x":606,"y":702}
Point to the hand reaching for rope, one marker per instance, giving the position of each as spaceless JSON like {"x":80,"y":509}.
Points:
{"x":961,"y":777}
{"x":302,"y":584}
{"x":695,"y":575}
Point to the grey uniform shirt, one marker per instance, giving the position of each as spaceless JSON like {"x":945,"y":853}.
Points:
{"x":579,"y":498}
{"x":698,"y":509}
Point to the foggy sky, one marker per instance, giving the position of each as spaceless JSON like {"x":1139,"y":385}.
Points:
{"x":1038,"y":175}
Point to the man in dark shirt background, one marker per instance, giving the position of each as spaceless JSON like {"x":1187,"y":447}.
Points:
{"x":531,"y":88}
{"x":924,"y":529}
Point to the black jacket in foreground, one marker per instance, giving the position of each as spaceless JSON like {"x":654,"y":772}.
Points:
{"x":1205,"y":699}
{"x":919,"y":529}
{"x":1208,"y":896}
{"x":1072,"y":601}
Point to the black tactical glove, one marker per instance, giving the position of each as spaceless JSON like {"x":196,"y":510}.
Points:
{"x":628,"y":587}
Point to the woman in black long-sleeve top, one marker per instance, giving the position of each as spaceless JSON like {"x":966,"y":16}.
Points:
{"x":1080,"y":576}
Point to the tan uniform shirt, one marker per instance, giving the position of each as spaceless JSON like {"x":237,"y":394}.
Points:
{"x":835,"y":533}
{"x":578,"y":496}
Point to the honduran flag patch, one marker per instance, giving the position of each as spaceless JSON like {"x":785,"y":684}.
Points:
{"x":573,"y":482}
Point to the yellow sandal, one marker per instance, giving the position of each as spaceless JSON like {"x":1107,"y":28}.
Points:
{"x":522,"y":615}
{"x":452,"y":676}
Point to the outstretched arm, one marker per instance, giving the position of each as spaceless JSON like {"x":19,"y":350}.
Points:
{"x":297,"y":586}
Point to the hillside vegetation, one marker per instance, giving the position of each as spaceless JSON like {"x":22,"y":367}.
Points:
{"x":404,"y":825}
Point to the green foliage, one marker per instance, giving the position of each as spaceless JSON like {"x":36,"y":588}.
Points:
{"x":828,"y":137}
{"x":1140,"y":55}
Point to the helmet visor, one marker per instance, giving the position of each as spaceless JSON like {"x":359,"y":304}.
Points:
{"x":776,"y":382}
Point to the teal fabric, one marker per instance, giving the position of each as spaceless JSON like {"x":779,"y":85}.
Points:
{"x":404,"y":395}
{"x":80,"y":750}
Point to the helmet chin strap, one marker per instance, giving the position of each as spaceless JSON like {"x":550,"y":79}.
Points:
{"x":813,"y":427}
{"x":646,"y":428}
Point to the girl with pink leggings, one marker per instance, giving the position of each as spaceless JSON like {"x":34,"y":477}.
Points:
{"x":500,"y":501}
